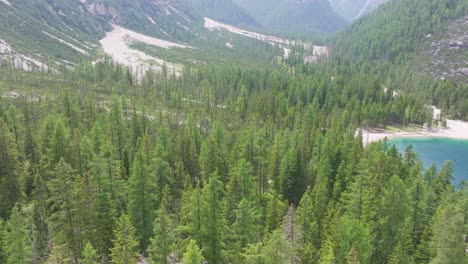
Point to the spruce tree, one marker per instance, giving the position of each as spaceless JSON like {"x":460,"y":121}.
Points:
{"x":246,"y":228}
{"x":89,"y":255}
{"x":162,"y":241}
{"x":16,"y":242}
{"x":306,"y":224}
{"x":193,"y":254}
{"x":447,"y":242}
{"x":125,"y":249}
{"x":278,"y":249}
{"x":63,"y":220}
{"x":142,"y":198}
{"x":213,"y":226}
{"x":9,"y":186}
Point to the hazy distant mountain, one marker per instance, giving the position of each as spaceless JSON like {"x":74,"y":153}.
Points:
{"x":353,"y":9}
{"x":225,"y":11}
{"x":313,"y":16}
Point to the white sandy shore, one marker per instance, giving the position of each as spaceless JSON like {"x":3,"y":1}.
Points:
{"x":455,"y":129}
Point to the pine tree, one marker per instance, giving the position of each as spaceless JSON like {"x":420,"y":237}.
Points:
{"x":89,"y":255}
{"x":191,"y":217}
{"x":9,"y":186}
{"x":392,"y":229}
{"x":254,"y":254}
{"x":241,"y":186}
{"x":125,"y":245}
{"x":59,"y":144}
{"x":193,"y":254}
{"x":442,"y":182}
{"x":447,"y":241}
{"x":327,"y":255}
{"x":278,"y":249}
{"x":353,"y":236}
{"x":57,"y":255}
{"x":275,"y":211}
{"x":352,"y":257}
{"x":16,"y":239}
{"x":213,"y":226}
{"x":142,"y":198}
{"x":307,"y":226}
{"x":105,"y":183}
{"x":291,"y":175}
{"x":246,"y":228}
{"x":400,"y":256}
{"x":421,"y":200}
{"x":162,"y":241}
{"x":63,"y":220}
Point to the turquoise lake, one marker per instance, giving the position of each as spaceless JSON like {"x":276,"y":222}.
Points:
{"x":437,"y":151}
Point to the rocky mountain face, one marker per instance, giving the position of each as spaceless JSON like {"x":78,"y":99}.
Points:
{"x":354,"y":9}
{"x":42,"y":30}
{"x":445,"y":53}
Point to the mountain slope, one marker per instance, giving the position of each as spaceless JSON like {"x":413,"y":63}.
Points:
{"x":396,"y":30}
{"x":143,"y":34}
{"x":44,"y":29}
{"x":225,"y":11}
{"x":293,"y":16}
{"x":419,"y":46}
{"x":354,"y":9}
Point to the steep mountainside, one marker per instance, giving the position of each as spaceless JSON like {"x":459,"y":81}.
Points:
{"x":354,"y":9}
{"x":444,"y":53}
{"x":292,"y":16}
{"x":143,"y":34}
{"x":43,"y":29}
{"x":421,"y":44}
{"x":397,"y":30}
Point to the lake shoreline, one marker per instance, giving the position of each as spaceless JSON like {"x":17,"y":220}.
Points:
{"x":455,"y":130}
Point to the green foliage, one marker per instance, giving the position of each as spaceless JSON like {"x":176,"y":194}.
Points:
{"x":394,"y":39}
{"x":16,"y":240}
{"x":214,"y":162}
{"x":125,"y":249}
{"x":213,"y":226}
{"x":447,"y":244}
{"x":247,"y":227}
{"x":9,"y":186}
{"x":354,"y":245}
{"x":162,"y":241}
{"x":278,"y":249}
{"x":391,"y":38}
{"x":193,"y":254}
{"x":63,"y":206}
{"x":89,"y":255}
{"x":142,"y":197}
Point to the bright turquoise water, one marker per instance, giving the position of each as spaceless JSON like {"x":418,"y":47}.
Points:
{"x":437,"y":151}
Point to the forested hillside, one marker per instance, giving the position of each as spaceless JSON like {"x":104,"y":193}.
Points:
{"x":394,"y":38}
{"x":251,"y":156}
{"x":230,"y":165}
{"x":381,"y":36}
